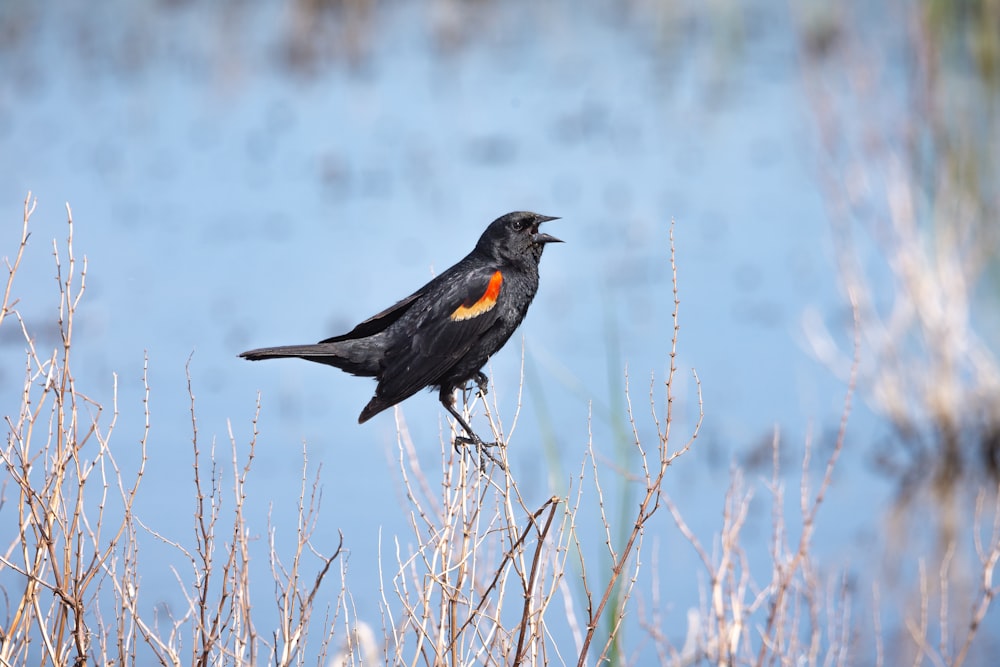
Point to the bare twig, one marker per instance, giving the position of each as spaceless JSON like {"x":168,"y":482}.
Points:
{"x":653,"y":481}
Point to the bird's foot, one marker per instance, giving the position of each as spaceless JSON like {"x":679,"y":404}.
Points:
{"x":482,"y":382}
{"x":482,"y":450}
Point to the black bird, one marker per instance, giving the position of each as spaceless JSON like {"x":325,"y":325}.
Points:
{"x":442,"y":334}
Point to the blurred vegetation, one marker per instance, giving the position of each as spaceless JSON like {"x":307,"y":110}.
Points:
{"x":959,"y":58}
{"x":969,"y":32}
{"x":954,"y":156}
{"x":905,"y":97}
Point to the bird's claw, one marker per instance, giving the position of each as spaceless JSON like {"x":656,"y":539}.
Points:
{"x":482,"y":382}
{"x":462,"y":443}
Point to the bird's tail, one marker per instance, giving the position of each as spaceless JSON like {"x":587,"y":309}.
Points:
{"x":354,"y":356}
{"x":283,"y":351}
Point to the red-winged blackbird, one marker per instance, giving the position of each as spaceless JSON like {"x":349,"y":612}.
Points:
{"x":442,"y":334}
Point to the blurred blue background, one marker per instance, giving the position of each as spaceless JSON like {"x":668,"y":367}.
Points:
{"x":251,"y":174}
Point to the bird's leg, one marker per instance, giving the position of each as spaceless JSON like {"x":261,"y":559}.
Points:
{"x":447,"y":397}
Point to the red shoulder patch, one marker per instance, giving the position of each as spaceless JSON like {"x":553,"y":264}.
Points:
{"x":484,"y":304}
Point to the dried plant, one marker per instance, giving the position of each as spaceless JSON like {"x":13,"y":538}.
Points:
{"x":907,"y":159}
{"x":912,"y":203}
{"x":484,"y":581}
{"x":71,"y":573}
{"x":487,"y":577}
{"x":744,"y":622}
{"x":72,"y":504}
{"x":802,"y":616}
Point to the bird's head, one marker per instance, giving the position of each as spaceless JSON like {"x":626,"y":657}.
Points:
{"x":515,"y":237}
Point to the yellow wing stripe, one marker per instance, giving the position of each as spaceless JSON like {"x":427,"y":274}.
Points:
{"x":485,"y":302}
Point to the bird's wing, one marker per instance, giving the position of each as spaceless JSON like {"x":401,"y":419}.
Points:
{"x":379,"y":322}
{"x":452,"y":320}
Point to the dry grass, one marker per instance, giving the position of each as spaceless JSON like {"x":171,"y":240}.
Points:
{"x":71,"y":573}
{"x":908,"y":166}
{"x":479,"y":583}
{"x":485,"y":576}
{"x":910,"y":188}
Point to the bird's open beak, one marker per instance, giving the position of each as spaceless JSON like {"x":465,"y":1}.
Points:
{"x":542,"y":237}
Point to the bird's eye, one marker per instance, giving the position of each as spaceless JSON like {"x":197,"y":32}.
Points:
{"x":518,"y":225}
